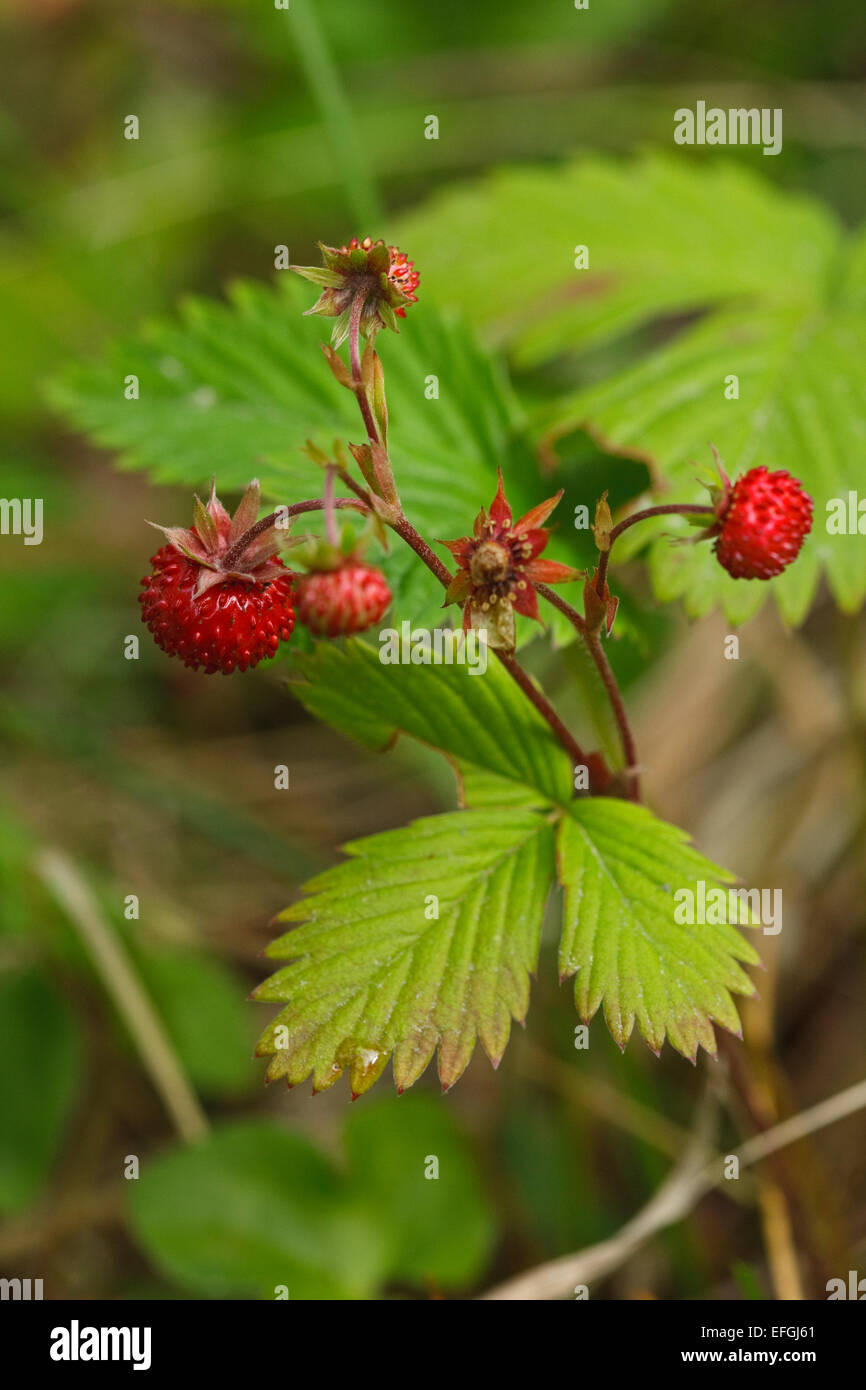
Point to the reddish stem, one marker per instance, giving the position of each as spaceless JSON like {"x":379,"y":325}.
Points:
{"x":629,"y":748}
{"x":405,"y":529}
{"x":355,"y":358}
{"x":548,"y":713}
{"x":330,"y":517}
{"x":668,"y":509}
{"x":558,"y":602}
{"x":599,"y":656}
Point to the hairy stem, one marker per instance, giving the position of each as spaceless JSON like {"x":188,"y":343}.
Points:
{"x":407,"y":532}
{"x":330,"y":515}
{"x":668,"y":509}
{"x":557,"y":601}
{"x":545,"y":709}
{"x":355,"y":357}
{"x":599,"y":656}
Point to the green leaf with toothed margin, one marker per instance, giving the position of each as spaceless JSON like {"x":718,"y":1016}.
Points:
{"x":481,"y":718}
{"x":666,"y":236}
{"x":371,"y":975}
{"x":423,"y":940}
{"x":802,"y":382}
{"x":621,"y":867}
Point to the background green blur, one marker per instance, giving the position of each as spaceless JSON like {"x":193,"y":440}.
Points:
{"x":157,"y":782}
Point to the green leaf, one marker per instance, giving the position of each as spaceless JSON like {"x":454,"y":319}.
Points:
{"x":785,"y":295}
{"x":620,"y":867}
{"x":200,"y":1002}
{"x":438,"y":1221}
{"x":479,"y":790}
{"x":468,"y":717}
{"x":254,"y":1207}
{"x":373,"y":974}
{"x":424,"y":939}
{"x":665,"y":236}
{"x":251,"y":1208}
{"x":40,"y":1073}
{"x":802,"y":380}
{"x":235,"y":389}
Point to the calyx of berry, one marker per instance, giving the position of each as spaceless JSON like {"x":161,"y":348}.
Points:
{"x":344,"y":547}
{"x":381,"y":276}
{"x":229,"y":547}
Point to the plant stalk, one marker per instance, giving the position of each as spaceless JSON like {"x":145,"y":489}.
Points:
{"x":599,"y":656}
{"x":667,"y":509}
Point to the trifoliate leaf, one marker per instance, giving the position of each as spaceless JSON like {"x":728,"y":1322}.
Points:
{"x":664,"y":235}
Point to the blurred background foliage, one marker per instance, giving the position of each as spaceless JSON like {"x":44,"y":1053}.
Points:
{"x":156,"y":782}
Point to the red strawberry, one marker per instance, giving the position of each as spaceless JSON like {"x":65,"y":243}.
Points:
{"x":336,"y":602}
{"x":764,"y":518}
{"x":218,"y":596}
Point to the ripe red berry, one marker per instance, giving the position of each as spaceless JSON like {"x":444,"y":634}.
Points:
{"x":337,"y":602}
{"x":764,"y":521}
{"x":218,"y":596}
{"x":231,"y":627}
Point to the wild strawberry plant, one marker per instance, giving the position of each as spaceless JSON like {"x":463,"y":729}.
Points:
{"x":423,"y":940}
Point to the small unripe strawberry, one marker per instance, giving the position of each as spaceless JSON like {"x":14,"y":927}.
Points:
{"x":764,"y":519}
{"x":218,"y":596}
{"x":338,"y":602}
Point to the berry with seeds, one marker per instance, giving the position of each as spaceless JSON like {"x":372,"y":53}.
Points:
{"x":764,"y":519}
{"x":341,"y":601}
{"x":218,"y":597}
